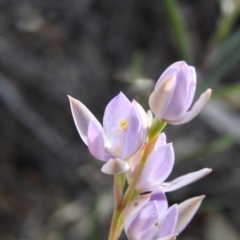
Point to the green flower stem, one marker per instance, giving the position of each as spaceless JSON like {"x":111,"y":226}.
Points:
{"x":114,"y":224}
{"x":156,"y":129}
{"x":147,"y":149}
{"x":131,"y":193}
{"x":226,"y":23}
{"x":118,"y":186}
{"x":179,"y":29}
{"x":121,"y":178}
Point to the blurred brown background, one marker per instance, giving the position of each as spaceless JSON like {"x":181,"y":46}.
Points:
{"x":50,"y":186}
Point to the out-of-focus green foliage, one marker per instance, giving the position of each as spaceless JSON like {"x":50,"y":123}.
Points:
{"x":216,"y":146}
{"x":230,"y":11}
{"x":223,"y":59}
{"x":179,"y":30}
{"x":223,"y":52}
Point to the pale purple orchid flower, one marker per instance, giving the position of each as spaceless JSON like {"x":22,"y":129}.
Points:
{"x":124,"y":131}
{"x":157,"y":169}
{"x":148,"y":217}
{"x":174,"y":93}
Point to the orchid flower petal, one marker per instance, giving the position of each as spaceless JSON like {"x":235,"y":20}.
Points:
{"x":183,"y":93}
{"x":185,"y":180}
{"x":130,"y":145}
{"x":133,"y":208}
{"x":161,"y":199}
{"x":191,"y":88}
{"x":143,"y":116}
{"x":168,"y":224}
{"x":95,"y":140}
{"x":186,"y":211}
{"x":157,"y":168}
{"x":146,"y":223}
{"x":82,"y":117}
{"x":144,"y":218}
{"x":170,"y":71}
{"x":115,"y":166}
{"x":144,"y":120}
{"x":117,"y":110}
{"x":165,"y":90}
{"x":161,"y":140}
{"x":197,"y":107}
{"x":150,"y":116}
{"x":155,"y":164}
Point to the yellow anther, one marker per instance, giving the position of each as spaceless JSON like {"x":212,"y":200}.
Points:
{"x":124,"y":125}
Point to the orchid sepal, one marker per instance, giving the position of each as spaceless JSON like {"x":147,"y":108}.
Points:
{"x":184,"y":180}
{"x":186,"y":211}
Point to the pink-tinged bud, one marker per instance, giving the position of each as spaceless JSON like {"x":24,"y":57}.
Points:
{"x":174,"y":93}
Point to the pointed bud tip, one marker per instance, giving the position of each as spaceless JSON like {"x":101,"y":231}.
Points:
{"x":201,"y":197}
{"x":71,"y":99}
{"x":208,"y":170}
{"x":207,"y":94}
{"x":187,"y":210}
{"x":183,"y":64}
{"x":205,"y":171}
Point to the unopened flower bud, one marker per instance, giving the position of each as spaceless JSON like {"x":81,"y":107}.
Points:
{"x":174,"y":93}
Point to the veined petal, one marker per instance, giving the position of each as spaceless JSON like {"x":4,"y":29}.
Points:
{"x":95,"y":140}
{"x":143,"y":116}
{"x":165,"y":89}
{"x":191,"y":74}
{"x":157,"y":168}
{"x":186,"y":211}
{"x":132,"y":139}
{"x":115,"y":166}
{"x":82,"y":117}
{"x":133,"y":208}
{"x":185,"y":180}
{"x":197,"y":107}
{"x":144,"y":120}
{"x":169,"y":237}
{"x":169,"y":222}
{"x":117,"y":110}
{"x":116,"y":148}
{"x":182,"y":95}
